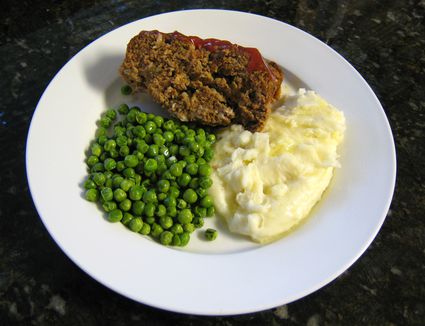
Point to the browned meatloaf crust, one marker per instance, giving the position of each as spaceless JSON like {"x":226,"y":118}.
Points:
{"x":209,"y":81}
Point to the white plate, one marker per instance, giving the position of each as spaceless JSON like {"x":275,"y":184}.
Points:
{"x":230,"y":275}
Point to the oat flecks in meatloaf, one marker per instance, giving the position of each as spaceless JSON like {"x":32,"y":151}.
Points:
{"x":209,"y":81}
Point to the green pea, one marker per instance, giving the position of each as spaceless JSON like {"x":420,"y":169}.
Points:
{"x":115,"y":215}
{"x":108,"y":183}
{"x":142,"y":147}
{"x":202,"y":192}
{"x":194,"y":183}
{"x":174,"y":149}
{"x":105,"y":122}
{"x":139,"y":131}
{"x":166,"y":238}
{"x":92,"y":160}
{"x":150,"y":196}
{"x":192,"y":168}
{"x":114,"y":153}
{"x":138,"y":207}
{"x":176,"y":228}
{"x":92,"y":195}
{"x":135,"y":224}
{"x":172,"y":211}
{"x":124,"y":151}
{"x":137,"y":179}
{"x":185,"y":216}
{"x":156,"y":230}
{"x":206,"y":201}
{"x":210,"y":211}
{"x":150,"y":127}
{"x":158,"y":121}
{"x":119,"y":131}
{"x":123,"y":109}
{"x":181,"y":203}
{"x":131,"y":115}
{"x":109,"y":164}
{"x":96,"y":149}
{"x":205,"y":182}
{"x":109,"y":206}
{"x":166,"y":222}
{"x":102,"y":139}
{"x":100,"y":131}
{"x":120,"y":166}
{"x":190,"y":196}
{"x":169,"y":125}
{"x":126,"y":90}
{"x":131,"y":161}
{"x":146,"y":229}
{"x":161,"y":196}
{"x":168,"y":137}
{"x":211,"y":138}
{"x":116,"y":181}
{"x":150,"y":165}
{"x":99,"y":178}
{"x":211,"y":234}
{"x":110,"y":145}
{"x":184,"y":180}
{"x":153,"y":150}
{"x":176,"y":170}
{"x":125,"y":205}
{"x":136,"y":192}
{"x":126,"y":219}
{"x":119,"y":195}
{"x":170,"y":201}
{"x":150,"y":220}
{"x":129,"y":173}
{"x":148,"y":139}
{"x":198,"y":222}
{"x":149,"y":210}
{"x":204,"y":170}
{"x":200,"y":161}
{"x":176,"y":240}
{"x":208,"y":154}
{"x":107,"y":194}
{"x":163,"y":186}
{"x":200,"y":211}
{"x":184,"y":150}
{"x":111,"y":114}
{"x":126,"y":184}
{"x":158,"y":139}
{"x":89,"y":184}
{"x":98,"y":167}
{"x":174,"y":192}
{"x":184,"y":239}
{"x":161,"y":210}
{"x":189,"y":227}
{"x":164,"y":151}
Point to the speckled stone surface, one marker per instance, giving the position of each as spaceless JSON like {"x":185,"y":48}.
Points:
{"x":384,"y":40}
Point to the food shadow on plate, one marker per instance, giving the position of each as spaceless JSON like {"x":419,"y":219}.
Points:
{"x":103,"y":75}
{"x":113,"y":98}
{"x":290,"y":86}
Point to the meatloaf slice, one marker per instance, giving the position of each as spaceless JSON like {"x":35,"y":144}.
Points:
{"x":209,"y":81}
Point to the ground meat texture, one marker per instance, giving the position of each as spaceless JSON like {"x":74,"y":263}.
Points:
{"x":209,"y":81}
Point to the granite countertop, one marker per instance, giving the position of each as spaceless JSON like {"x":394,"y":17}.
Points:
{"x":384,"y":41}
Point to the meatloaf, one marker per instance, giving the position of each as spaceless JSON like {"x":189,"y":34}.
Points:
{"x":209,"y":81}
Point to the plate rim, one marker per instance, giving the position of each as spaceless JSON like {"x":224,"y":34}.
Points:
{"x":249,"y":310}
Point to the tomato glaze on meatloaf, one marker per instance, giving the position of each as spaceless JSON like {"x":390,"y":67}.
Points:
{"x":209,"y":81}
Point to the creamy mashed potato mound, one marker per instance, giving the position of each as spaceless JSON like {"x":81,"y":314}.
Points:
{"x":264,"y":183}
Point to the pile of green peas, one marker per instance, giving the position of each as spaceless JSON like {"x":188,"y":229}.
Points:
{"x":151,"y":174}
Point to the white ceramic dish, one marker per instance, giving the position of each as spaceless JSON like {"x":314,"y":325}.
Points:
{"x":230,"y":275}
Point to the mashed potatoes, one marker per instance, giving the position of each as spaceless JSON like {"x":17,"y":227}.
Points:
{"x":265,"y":183}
